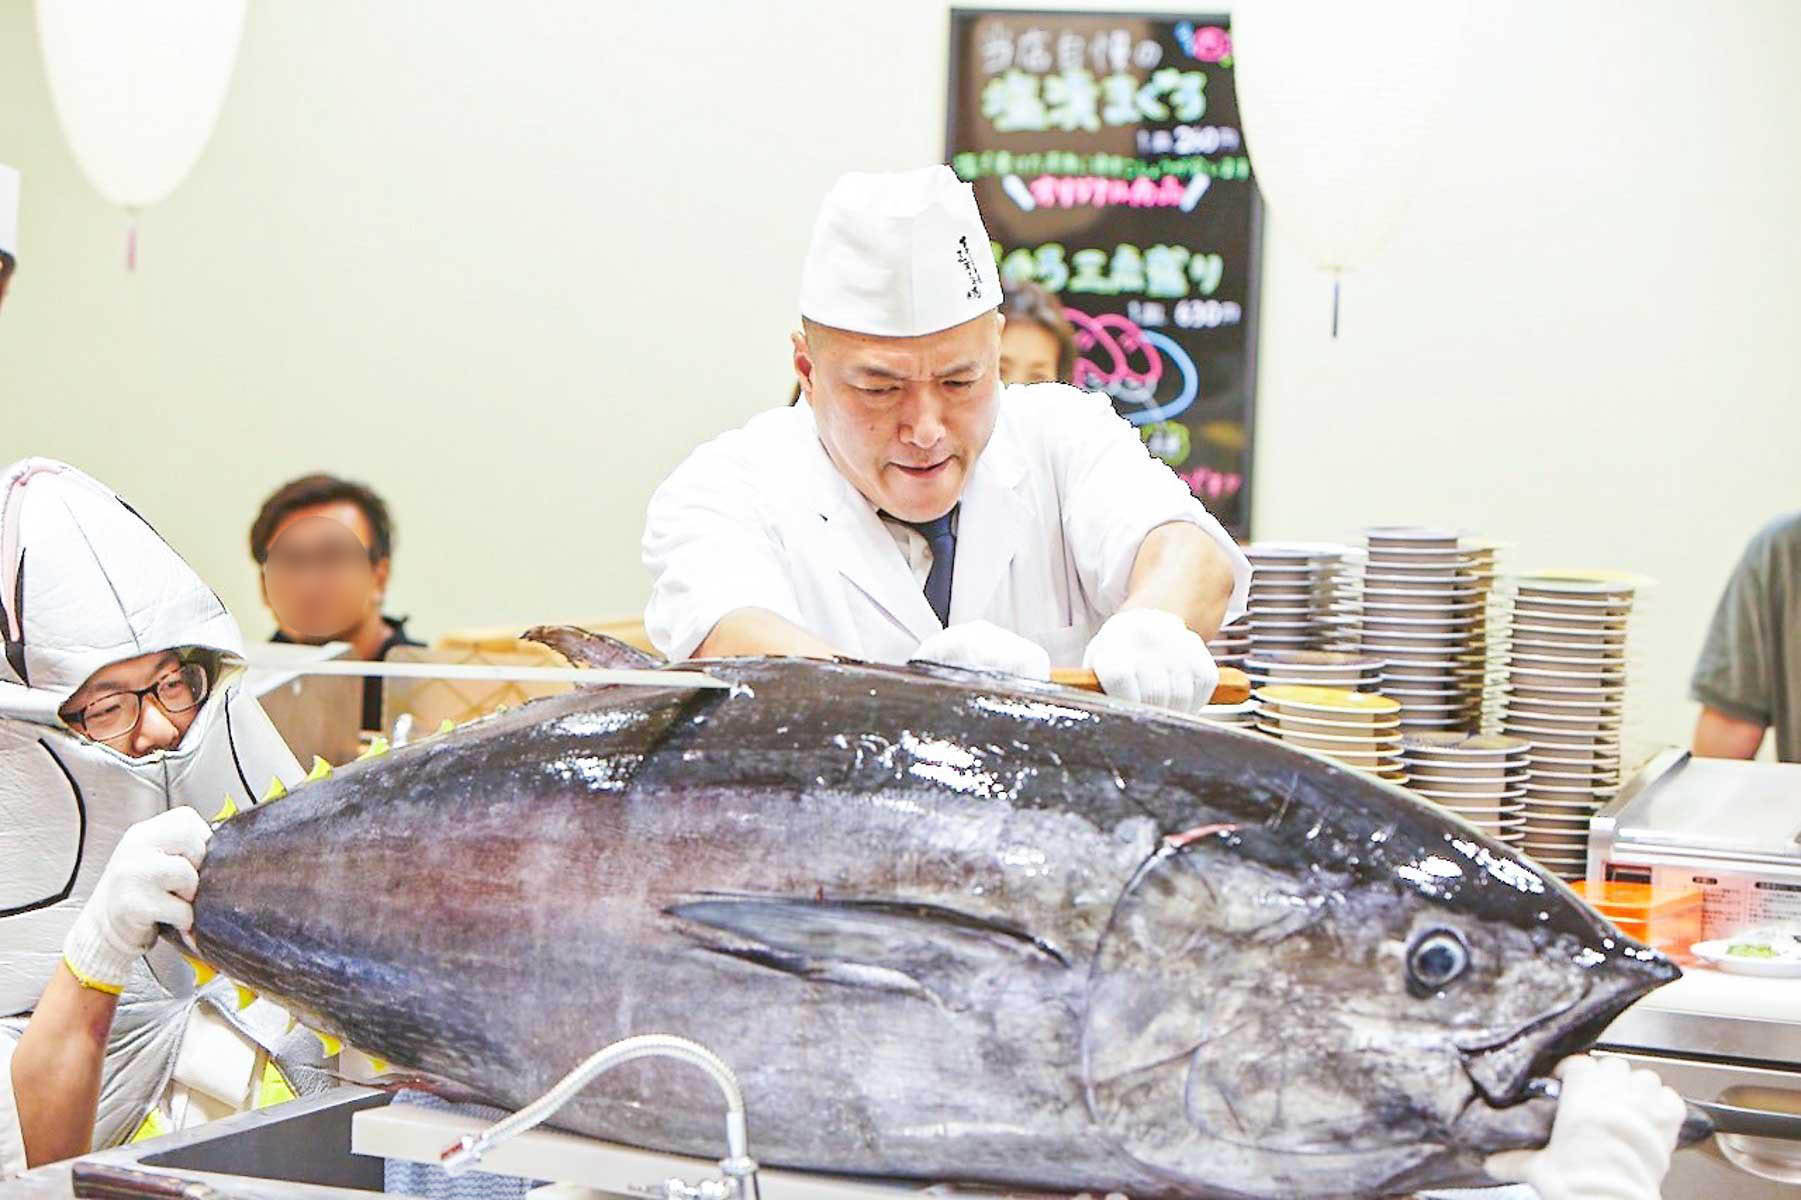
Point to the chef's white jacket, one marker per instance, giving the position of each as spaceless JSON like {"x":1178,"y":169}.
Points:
{"x":1052,"y":516}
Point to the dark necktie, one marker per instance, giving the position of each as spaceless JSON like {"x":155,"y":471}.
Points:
{"x":943,"y":541}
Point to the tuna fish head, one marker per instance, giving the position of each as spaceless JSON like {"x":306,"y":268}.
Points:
{"x":1355,"y":1005}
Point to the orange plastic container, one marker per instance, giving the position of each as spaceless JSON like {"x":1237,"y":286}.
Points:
{"x":1664,"y":918}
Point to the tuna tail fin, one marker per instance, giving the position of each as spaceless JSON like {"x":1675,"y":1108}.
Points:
{"x":937,"y":954}
{"x":584,"y":648}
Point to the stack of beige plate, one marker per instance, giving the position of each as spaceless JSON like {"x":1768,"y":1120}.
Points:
{"x":1243,"y":714}
{"x":1318,"y":668}
{"x":1623,"y":600}
{"x":1480,"y":777}
{"x":1358,"y":729}
{"x":1336,"y":598}
{"x":1556,"y":832}
{"x":1291,"y":599}
{"x":1566,"y":693}
{"x":1484,"y":666}
{"x":1420,"y":611}
{"x":1233,"y":642}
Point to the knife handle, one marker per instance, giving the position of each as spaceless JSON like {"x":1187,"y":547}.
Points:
{"x":1234,"y":685}
{"x":1706,"y":1119}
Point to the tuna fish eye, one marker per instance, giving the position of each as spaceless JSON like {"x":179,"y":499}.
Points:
{"x":1436,"y":959}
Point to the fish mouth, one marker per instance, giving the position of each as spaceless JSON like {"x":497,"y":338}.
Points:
{"x":1519,"y":1067}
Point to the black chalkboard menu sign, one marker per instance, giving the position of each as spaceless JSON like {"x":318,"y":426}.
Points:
{"x":1108,"y":163}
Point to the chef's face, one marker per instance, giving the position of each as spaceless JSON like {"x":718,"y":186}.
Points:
{"x":904,"y":419}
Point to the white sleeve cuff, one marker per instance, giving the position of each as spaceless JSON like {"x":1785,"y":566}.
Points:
{"x":1124,"y":543}
{"x":709,"y":551}
{"x":689,"y":599}
{"x":1116,"y":493}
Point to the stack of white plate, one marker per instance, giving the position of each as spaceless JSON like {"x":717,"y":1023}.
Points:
{"x":1480,"y":777}
{"x":1420,"y":611}
{"x":1566,"y":688}
{"x":1621,"y":602}
{"x":1233,"y":642}
{"x":1565,"y":683}
{"x":1556,"y":830}
{"x":1242,"y":714}
{"x":1317,"y":668}
{"x":1294,"y":598}
{"x":1484,"y":667}
{"x":1358,"y":729}
{"x":1335,"y":601}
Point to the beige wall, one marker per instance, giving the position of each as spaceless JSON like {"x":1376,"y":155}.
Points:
{"x":508,"y":262}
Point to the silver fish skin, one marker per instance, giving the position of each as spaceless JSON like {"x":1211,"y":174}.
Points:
{"x":944,"y":927}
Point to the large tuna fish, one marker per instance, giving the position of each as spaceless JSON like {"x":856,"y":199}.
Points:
{"x":944,"y":927}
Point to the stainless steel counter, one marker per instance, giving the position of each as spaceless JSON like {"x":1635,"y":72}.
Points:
{"x":295,"y":1151}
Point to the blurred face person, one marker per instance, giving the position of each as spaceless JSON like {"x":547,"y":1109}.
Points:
{"x":321,"y":579}
{"x":1037,"y":343}
{"x":1028,"y":353}
{"x":140,"y":705}
{"x":9,"y":226}
{"x":904,"y":418}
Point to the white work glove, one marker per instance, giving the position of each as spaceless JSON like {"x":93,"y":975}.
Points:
{"x":151,"y":877}
{"x":1148,"y":655}
{"x":1611,"y":1140}
{"x":980,"y":646}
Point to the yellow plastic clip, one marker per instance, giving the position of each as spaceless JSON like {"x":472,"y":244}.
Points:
{"x":277,"y":789}
{"x":203,"y":974}
{"x":379,"y":1066}
{"x":152,"y":1126}
{"x":446,"y":725}
{"x":246,"y":997}
{"x":331,"y":1045}
{"x":273,"y":1088}
{"x":321,"y":769}
{"x":375,"y":749}
{"x":230,"y":810}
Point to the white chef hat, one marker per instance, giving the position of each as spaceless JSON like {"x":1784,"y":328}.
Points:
{"x":899,"y":254}
{"x":9,"y":211}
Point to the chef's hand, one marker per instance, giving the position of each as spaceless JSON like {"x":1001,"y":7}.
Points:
{"x":1149,"y":655}
{"x":984,"y":647}
{"x":1611,"y":1140}
{"x":150,"y":878}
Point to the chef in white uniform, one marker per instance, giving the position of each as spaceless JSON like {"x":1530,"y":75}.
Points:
{"x":910,"y":506}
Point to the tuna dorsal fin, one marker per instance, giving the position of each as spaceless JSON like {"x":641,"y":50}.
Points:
{"x":585,"y":648}
{"x":937,"y":954}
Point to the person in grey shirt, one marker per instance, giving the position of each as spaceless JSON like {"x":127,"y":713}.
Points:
{"x":1748,"y":678}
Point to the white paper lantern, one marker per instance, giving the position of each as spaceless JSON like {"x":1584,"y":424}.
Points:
{"x":1338,"y":101}
{"x":138,"y":85}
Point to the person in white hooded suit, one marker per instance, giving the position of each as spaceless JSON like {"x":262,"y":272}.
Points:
{"x":105,"y":625}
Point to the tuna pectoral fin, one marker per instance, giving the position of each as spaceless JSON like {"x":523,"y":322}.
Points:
{"x":935,"y":953}
{"x":585,"y":649}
